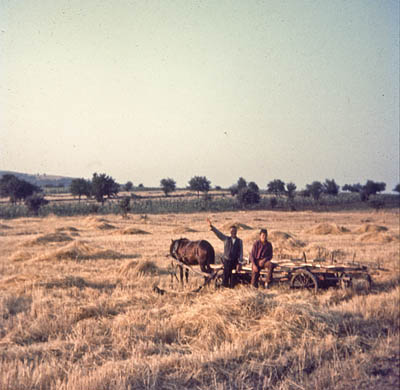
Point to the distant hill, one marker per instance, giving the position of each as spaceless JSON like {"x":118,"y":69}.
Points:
{"x":41,"y":180}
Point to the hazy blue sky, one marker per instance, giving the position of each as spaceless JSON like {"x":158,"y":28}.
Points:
{"x":142,"y":90}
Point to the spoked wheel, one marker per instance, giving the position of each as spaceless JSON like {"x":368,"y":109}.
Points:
{"x":304,"y":279}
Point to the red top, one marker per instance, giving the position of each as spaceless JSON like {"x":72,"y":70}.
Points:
{"x":261,"y":251}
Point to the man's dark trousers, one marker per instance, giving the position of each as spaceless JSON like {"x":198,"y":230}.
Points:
{"x":229,"y":266}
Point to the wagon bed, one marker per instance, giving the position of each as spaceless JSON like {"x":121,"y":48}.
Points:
{"x":299,"y":274}
{"x":307,"y":275}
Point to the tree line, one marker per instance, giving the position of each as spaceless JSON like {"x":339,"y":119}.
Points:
{"x":102,"y":187}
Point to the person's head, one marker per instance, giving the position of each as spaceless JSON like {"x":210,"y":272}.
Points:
{"x":263,"y":235}
{"x":233,"y":229}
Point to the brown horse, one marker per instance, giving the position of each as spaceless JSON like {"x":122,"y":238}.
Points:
{"x":191,"y":253}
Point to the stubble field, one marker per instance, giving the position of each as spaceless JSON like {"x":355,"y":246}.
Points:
{"x":78,"y":309}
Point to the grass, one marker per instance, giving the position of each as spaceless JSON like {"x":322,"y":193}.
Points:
{"x":81,"y":313}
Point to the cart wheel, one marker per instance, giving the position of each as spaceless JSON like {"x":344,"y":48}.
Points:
{"x":304,"y":279}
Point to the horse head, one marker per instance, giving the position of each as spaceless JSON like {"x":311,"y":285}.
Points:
{"x":175,"y":246}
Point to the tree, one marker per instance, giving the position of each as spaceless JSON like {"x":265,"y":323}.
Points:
{"x":235,"y":188}
{"x":290,"y":190}
{"x":199,"y":183}
{"x":35,"y":202}
{"x":16,"y":189}
{"x":80,"y":187}
{"x":330,"y":187}
{"x":397,"y":188}
{"x":276,"y":187}
{"x":253,"y":186}
{"x":103,"y":185}
{"x":241,"y":183}
{"x":125,"y":205}
{"x":315,"y":189}
{"x":248,"y":195}
{"x":168,"y":185}
{"x":128,"y":186}
{"x":372,"y":188}
{"x":352,"y":187}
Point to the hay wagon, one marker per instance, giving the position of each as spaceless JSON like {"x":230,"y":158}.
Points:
{"x":298,"y":274}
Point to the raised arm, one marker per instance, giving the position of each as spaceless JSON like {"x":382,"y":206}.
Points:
{"x":219,"y":234}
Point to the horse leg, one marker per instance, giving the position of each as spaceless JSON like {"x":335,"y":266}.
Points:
{"x":181,"y":274}
{"x":187,"y":275}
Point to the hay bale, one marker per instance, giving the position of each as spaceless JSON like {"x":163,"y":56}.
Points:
{"x":98,"y":223}
{"x":183,"y":230}
{"x":378,"y":238}
{"x":284,"y":240}
{"x":67,"y":229}
{"x":49,"y":238}
{"x":79,"y":250}
{"x":315,"y":251}
{"x":146,"y":267}
{"x":131,"y":230}
{"x":103,"y":226}
{"x":371,"y":228}
{"x":327,"y":228}
{"x":239,"y":226}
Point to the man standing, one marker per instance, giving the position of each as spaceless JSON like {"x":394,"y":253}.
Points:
{"x":233,"y":252}
{"x":260,"y":257}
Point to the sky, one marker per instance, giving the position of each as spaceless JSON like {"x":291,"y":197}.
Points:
{"x":295,"y":90}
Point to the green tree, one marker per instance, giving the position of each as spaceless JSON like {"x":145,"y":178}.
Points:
{"x":372,"y":188}
{"x":248,"y":195}
{"x":80,"y":187}
{"x":290,"y":190}
{"x":199,"y":184}
{"x":352,"y":187}
{"x":34,"y":202}
{"x":276,"y":187}
{"x":315,"y":189}
{"x":103,"y":186}
{"x":253,"y":186}
{"x":128,"y":186}
{"x":125,"y":205}
{"x":168,"y":185}
{"x":330,"y":187}
{"x":235,"y":188}
{"x":16,"y":189}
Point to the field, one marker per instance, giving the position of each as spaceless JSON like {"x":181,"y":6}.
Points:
{"x":78,"y":309}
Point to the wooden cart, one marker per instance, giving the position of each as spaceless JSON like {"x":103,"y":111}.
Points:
{"x":306,"y":275}
{"x":298,"y":273}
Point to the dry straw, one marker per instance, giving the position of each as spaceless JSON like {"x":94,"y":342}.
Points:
{"x":183,"y":230}
{"x":131,"y":230}
{"x":371,"y":228}
{"x":327,"y":228}
{"x":79,"y":250}
{"x":239,"y":226}
{"x":49,"y":238}
{"x":146,"y":267}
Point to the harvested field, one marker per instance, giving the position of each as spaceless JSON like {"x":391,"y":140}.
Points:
{"x":84,"y":313}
